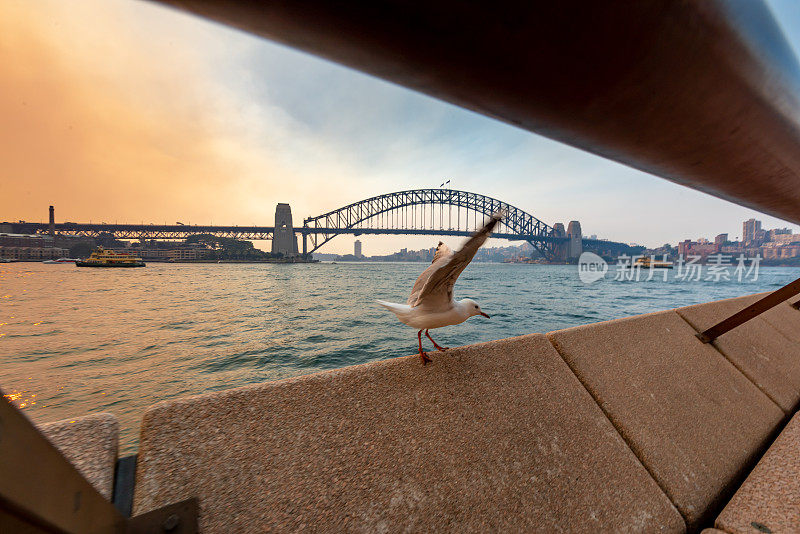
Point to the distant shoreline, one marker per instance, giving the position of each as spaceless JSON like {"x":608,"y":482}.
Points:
{"x":193,"y":261}
{"x":764,"y":263}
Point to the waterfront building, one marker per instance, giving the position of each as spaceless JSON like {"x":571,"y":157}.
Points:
{"x":26,"y":240}
{"x":33,"y":253}
{"x":775,"y":232}
{"x":30,"y":247}
{"x":749,"y":229}
{"x":154,"y":254}
{"x":785,"y":239}
{"x":190,"y":253}
{"x":703,"y":247}
{"x":790,"y":252}
{"x":357,"y":249}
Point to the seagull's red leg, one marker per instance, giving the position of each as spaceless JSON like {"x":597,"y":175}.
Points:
{"x":436,"y":345}
{"x":422,"y":355}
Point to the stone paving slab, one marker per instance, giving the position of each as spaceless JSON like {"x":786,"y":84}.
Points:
{"x":769,"y":499}
{"x":499,"y":436}
{"x":694,"y":421}
{"x":91,"y":443}
{"x":785,"y":319}
{"x":769,"y":358}
{"x":782,"y":317}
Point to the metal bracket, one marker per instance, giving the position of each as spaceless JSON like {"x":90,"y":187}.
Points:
{"x":754,"y":310}
{"x":178,"y":518}
{"x":124,"y":481}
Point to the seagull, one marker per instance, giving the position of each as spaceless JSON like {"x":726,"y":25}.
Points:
{"x":431,"y":304}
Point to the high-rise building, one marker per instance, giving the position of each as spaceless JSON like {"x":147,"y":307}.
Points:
{"x":357,"y":249}
{"x":721,"y":239}
{"x":749,"y":230}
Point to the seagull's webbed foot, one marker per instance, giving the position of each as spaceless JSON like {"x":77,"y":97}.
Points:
{"x":422,"y":356}
{"x":436,"y":345}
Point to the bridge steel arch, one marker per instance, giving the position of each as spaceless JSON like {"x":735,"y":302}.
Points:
{"x":517,"y":225}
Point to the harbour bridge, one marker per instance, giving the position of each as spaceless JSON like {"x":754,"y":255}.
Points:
{"x":435,"y":212}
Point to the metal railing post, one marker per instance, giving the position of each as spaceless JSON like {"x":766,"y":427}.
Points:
{"x":754,"y":310}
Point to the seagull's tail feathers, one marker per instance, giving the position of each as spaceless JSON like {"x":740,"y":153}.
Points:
{"x":396,"y":309}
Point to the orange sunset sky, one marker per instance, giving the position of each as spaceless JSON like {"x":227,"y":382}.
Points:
{"x":107,"y":115}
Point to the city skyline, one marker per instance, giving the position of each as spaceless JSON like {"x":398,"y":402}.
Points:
{"x":156,"y":116}
{"x":754,"y":235}
{"x":357,"y":241}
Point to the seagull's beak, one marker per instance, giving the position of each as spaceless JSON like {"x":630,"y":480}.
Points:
{"x":485,"y":315}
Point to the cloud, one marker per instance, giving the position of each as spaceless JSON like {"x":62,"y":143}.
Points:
{"x":111,"y":115}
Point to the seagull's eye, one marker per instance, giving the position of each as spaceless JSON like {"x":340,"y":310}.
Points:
{"x":476,"y":306}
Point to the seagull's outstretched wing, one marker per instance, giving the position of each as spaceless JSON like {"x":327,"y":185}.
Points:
{"x":434,"y":287}
{"x":440,"y":258}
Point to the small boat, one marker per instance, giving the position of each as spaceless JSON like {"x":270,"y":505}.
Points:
{"x":110,"y":258}
{"x":60,"y":260}
{"x":647,"y":263}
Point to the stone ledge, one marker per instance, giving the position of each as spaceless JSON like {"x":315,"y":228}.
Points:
{"x":690,"y":416}
{"x":496,"y":436}
{"x":91,"y":443}
{"x":769,"y":358}
{"x":770,"y":497}
{"x":785,"y":319}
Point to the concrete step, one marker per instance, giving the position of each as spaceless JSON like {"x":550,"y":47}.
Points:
{"x":498,"y":436}
{"x":690,"y":416}
{"x":759,"y":348}
{"x":91,"y":443}
{"x":769,"y":500}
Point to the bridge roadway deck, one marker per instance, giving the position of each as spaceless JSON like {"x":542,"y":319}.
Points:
{"x":170,"y":231}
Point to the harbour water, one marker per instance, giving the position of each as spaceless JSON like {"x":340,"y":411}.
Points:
{"x":77,"y":341}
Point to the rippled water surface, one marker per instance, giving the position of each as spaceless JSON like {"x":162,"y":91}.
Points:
{"x":76,"y":341}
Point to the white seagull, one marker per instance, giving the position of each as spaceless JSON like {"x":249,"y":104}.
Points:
{"x":431,"y":303}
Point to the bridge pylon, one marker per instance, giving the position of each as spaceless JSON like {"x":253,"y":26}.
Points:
{"x":284,"y":240}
